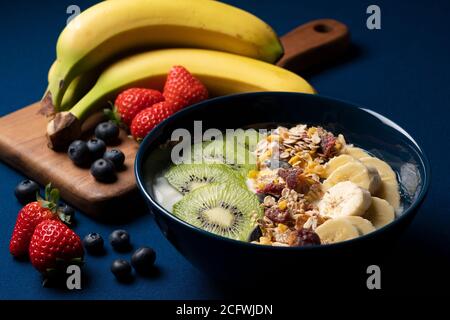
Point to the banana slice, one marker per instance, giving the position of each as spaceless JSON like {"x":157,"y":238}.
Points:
{"x":357,"y":173}
{"x":345,"y":199}
{"x":383,"y":168}
{"x":336,"y":230}
{"x":356,"y":152}
{"x":389,"y":189}
{"x":380,"y":213}
{"x":337,"y":162}
{"x":363,"y":226}
{"x":376,"y":180}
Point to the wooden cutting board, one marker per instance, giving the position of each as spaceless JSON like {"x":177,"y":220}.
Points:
{"x":23,"y":143}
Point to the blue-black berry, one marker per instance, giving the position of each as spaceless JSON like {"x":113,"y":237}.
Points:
{"x":121,"y":269}
{"x":103,"y":171}
{"x":143,"y":260}
{"x":68,"y":213}
{"x":96,"y":148}
{"x":116,"y":157}
{"x":26,"y":191}
{"x":79,"y":153}
{"x":120,"y":240}
{"x":93,"y":242}
{"x":108,"y":132}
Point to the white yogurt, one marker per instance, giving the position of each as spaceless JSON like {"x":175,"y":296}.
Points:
{"x":165,"y":194}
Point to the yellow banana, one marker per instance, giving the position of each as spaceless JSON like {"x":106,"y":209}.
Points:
{"x":52,"y":70}
{"x":112,"y":28}
{"x":77,"y":88}
{"x":222,"y":73}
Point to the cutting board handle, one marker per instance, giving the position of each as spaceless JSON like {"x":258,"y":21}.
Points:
{"x":314,"y":44}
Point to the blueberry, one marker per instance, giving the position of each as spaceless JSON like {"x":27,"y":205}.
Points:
{"x":79,"y":153}
{"x":26,"y":191}
{"x":116,"y":157}
{"x":108,"y":132}
{"x":96,"y":148}
{"x":93,"y":243}
{"x":68,"y":212}
{"x":103,"y":171}
{"x":143,"y":260}
{"x":121,"y":269}
{"x":120,"y":240}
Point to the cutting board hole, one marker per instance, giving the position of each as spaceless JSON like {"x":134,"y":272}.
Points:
{"x":322,"y":28}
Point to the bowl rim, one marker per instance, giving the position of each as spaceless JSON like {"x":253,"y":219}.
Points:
{"x":424,"y":162}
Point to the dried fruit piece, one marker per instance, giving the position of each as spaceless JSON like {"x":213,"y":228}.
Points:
{"x":303,"y":237}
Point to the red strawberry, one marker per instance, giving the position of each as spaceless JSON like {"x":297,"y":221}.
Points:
{"x":132,"y":101}
{"x":182,"y":89}
{"x":54,"y":243}
{"x":149,"y":118}
{"x":29,"y":217}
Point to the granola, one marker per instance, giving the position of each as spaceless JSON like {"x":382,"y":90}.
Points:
{"x":292,"y":165}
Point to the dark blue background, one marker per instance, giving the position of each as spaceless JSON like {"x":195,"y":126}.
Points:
{"x":401,"y":71}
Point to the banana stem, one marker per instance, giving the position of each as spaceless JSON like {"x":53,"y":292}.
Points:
{"x":62,"y":130}
{"x":66,"y":126}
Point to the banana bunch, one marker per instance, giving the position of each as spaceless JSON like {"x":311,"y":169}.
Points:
{"x":127,"y":43}
{"x":362,"y":195}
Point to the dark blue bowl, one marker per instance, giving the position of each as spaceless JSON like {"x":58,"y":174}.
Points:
{"x":230,"y":259}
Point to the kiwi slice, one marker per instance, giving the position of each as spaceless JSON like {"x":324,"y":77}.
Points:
{"x":248,"y":138}
{"x":223,"y":209}
{"x":219,"y":151}
{"x":187,"y":177}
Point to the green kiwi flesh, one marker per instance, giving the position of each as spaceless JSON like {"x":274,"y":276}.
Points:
{"x":224,"y":209}
{"x":188,"y":177}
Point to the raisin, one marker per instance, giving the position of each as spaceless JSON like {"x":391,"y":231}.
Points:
{"x":283,"y":173}
{"x":327,"y":144}
{"x":292,"y":180}
{"x":295,"y":181}
{"x":303,"y":237}
{"x":277,"y":215}
{"x":273,"y":189}
{"x":303,"y":185}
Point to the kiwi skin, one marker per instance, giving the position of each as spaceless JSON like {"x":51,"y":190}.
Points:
{"x":236,"y":218}
{"x":186,"y":177}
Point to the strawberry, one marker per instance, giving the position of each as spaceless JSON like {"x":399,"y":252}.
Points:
{"x":53,"y":244}
{"x":132,"y":101}
{"x":29,"y":217}
{"x":182,"y":89}
{"x":149,"y":118}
